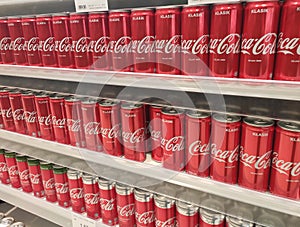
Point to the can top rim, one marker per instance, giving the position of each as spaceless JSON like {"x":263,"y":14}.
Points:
{"x":163,"y":201}
{"x":289,"y":126}
{"x":211,"y":216}
{"x":60,"y":14}
{"x":226,"y":118}
{"x":261,"y":0}
{"x":72,"y":99}
{"x":108,"y":102}
{"x":28,"y":17}
{"x":230,"y":2}
{"x":198,"y":114}
{"x":14,"y":17}
{"x":168,"y":110}
{"x":119,"y":11}
{"x":89,"y":101}
{"x":79,"y":13}
{"x":131,"y":106}
{"x":258,"y":122}
{"x":168,"y":7}
{"x":186,"y":208}
{"x":98,"y":12}
{"x":44,"y":15}
{"x":142,"y":9}
{"x":191,"y":6}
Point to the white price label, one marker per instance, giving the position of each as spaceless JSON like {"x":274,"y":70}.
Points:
{"x":194,"y":2}
{"x":81,"y":221}
{"x":91,"y":5}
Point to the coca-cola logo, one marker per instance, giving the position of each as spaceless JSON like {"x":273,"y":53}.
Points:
{"x":18,"y":44}
{"x":35,"y":178}
{"x":171,"y":222}
{"x":76,"y":193}
{"x":106,"y":204}
{"x":145,"y":218}
{"x":226,"y":156}
{"x":174,"y":144}
{"x":48,"y":44}
{"x":155,"y":134}
{"x":126,"y":211}
{"x":3,"y":167}
{"x":6,"y":113}
{"x":114,"y":132}
{"x":64,"y":45}
{"x":284,"y":167}
{"x":49,"y":184}
{"x":264,"y":45}
{"x":82,"y":45}
{"x":45,"y":120}
{"x":253,"y":161}
{"x":92,"y":128}
{"x":30,"y":117}
{"x":288,"y":45}
{"x":58,"y":122}
{"x":144,"y":46}
{"x":199,"y":46}
{"x":74,"y":125}
{"x":13,"y":171}
{"x":62,"y":188}
{"x":24,"y":175}
{"x":122,"y":45}
{"x":32,"y":44}
{"x":18,"y":115}
{"x":91,"y":199}
{"x":168,"y":46}
{"x":101,"y":45}
{"x":228,"y":45}
{"x":138,"y":136}
{"x":6,"y":44}
{"x":197,"y":148}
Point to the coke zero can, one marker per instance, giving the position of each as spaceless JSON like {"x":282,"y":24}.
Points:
{"x":6,"y":110}
{"x":186,"y":215}
{"x":144,"y":208}
{"x":155,"y":132}
{"x":210,"y":218}
{"x":48,"y":181}
{"x":6,"y":48}
{"x":61,"y":186}
{"x":15,"y":98}
{"x":24,"y":173}
{"x":76,"y":191}
{"x":12,"y":167}
{"x":165,"y":211}
{"x":4,"y":176}
{"x":35,"y":177}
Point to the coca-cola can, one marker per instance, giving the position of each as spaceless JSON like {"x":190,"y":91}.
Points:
{"x":74,"y":121}
{"x":32,"y":42}
{"x":285,"y":172}
{"x":42,"y":103}
{"x":99,"y":40}
{"x":63,"y":40}
{"x":48,"y":181}
{"x":173,"y":138}
{"x":165,"y":211}
{"x":255,"y":153}
{"x":24,"y":173}
{"x":111,"y":127}
{"x":76,"y":191}
{"x":168,"y":40}
{"x":133,"y":131}
{"x":30,"y":114}
{"x":237,"y":222}
{"x":59,"y":119}
{"x":12,"y":168}
{"x":259,"y":45}
{"x":81,"y":41}
{"x":186,"y":215}
{"x":17,"y":39}
{"x":36,"y":177}
{"x":197,"y":150}
{"x":155,"y":132}
{"x":47,"y":42}
{"x":120,"y":40}
{"x":108,"y":202}
{"x":6,"y":50}
{"x":6,"y":110}
{"x":225,"y":38}
{"x":4,"y":176}
{"x":91,"y":196}
{"x":15,"y":98}
{"x":62,"y":186}
{"x":144,"y":208}
{"x":143,"y":40}
{"x":209,"y":218}
{"x":195,"y":40}
{"x":125,"y":205}
{"x":91,"y":124}
{"x":225,"y":146}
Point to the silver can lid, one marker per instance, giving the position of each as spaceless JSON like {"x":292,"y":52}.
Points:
{"x":73,"y":174}
{"x":2,"y":215}
{"x":108,"y":102}
{"x":142,"y":196}
{"x":18,"y":224}
{"x":123,"y":189}
{"x":168,"y":7}
{"x":211,"y":217}
{"x":89,"y":101}
{"x":163,"y":201}
{"x":72,"y":99}
{"x":7,"y":220}
{"x":142,"y":9}
{"x":105,"y":184}
{"x":44,"y":15}
{"x":186,"y":208}
{"x":225,"y":118}
{"x":236,"y":222}
{"x":258,"y":122}
{"x":172,"y":111}
{"x":131,"y":106}
{"x":89,"y":179}
{"x":60,"y":14}
{"x":119,"y":11}
{"x":289,"y":126}
{"x":198,"y":114}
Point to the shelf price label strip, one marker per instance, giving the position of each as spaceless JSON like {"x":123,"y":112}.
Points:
{"x":91,"y":5}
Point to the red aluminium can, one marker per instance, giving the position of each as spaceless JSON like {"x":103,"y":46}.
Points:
{"x":91,"y":196}
{"x":144,"y":208}
{"x":168,"y":40}
{"x":143,"y":40}
{"x":108,"y":202}
{"x":210,"y":218}
{"x":76,"y":191}
{"x":6,"y":110}
{"x":12,"y":168}
{"x":225,"y":144}
{"x":32,"y":41}
{"x":111,"y":127}
{"x":259,"y":45}
{"x":99,"y":40}
{"x":35,"y":177}
{"x":74,"y":121}
{"x":4,"y":177}
{"x":15,"y":98}
{"x":255,"y":153}
{"x":125,"y":205}
{"x":63,"y":40}
{"x":165,"y":211}
{"x":172,"y":138}
{"x":17,"y":39}
{"x":61,"y":186}
{"x":155,"y":132}
{"x":5,"y":43}
{"x":287,"y":65}
{"x":1,"y":122}
{"x":225,"y":39}
{"x":24,"y":173}
{"x":197,"y":151}
{"x":195,"y":40}
{"x":59,"y":119}
{"x":133,"y":131}
{"x":47,"y":42}
{"x":285,"y":172}
{"x":81,"y":41}
{"x":120,"y":40}
{"x":187,"y":215}
{"x":48,"y":181}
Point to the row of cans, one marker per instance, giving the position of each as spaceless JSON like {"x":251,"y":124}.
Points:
{"x":195,"y":40}
{"x":6,"y":221}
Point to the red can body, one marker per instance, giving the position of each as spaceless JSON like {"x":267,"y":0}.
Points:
{"x":108,"y":202}
{"x":1,"y":122}
{"x":99,"y":40}
{"x":12,"y":168}
{"x":120,"y":40}
{"x":225,"y":39}
{"x":168,"y":40}
{"x":59,"y":119}
{"x":195,"y":40}
{"x":165,"y":211}
{"x":255,"y":153}
{"x":172,"y":138}
{"x":285,"y":174}
{"x":186,"y":215}
{"x":197,"y":149}
{"x":81,"y":41}
{"x":74,"y":122}
{"x":6,"y":111}
{"x":6,"y":52}
{"x":4,"y":177}
{"x":211,"y":219}
{"x":259,"y":45}
{"x":155,"y":132}
{"x":62,"y":186}
{"x":225,"y":144}
{"x":15,"y":98}
{"x":24,"y":173}
{"x":30,"y":114}
{"x":32,"y":41}
{"x":288,"y":52}
{"x":144,"y":209}
{"x":76,"y":191}
{"x":133,"y":131}
{"x":36,"y":177}
{"x":63,"y":40}
{"x":143,"y":40}
{"x":48,"y":181}
{"x":47,"y":42}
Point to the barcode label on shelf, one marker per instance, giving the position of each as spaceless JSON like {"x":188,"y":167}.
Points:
{"x":81,"y":221}
{"x":91,"y":5}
